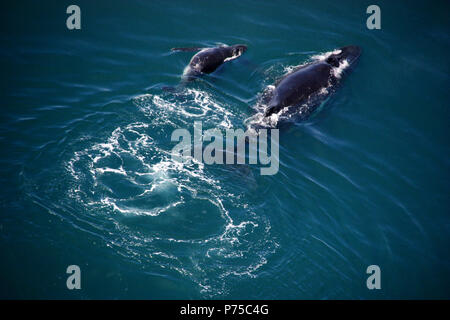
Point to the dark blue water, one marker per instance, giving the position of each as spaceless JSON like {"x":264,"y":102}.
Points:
{"x":87,"y":177}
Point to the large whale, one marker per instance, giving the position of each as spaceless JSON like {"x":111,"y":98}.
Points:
{"x":207,"y":60}
{"x":302,"y":89}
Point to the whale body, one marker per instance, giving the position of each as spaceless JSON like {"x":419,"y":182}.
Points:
{"x":209,"y":59}
{"x":301,"y":88}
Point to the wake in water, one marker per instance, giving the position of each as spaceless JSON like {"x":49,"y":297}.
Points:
{"x":171,"y":216}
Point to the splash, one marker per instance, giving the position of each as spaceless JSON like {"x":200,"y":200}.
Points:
{"x":337,"y":71}
{"x":176,"y":218}
{"x":234,"y":56}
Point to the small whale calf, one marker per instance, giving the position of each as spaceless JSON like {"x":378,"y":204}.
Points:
{"x":209,"y":59}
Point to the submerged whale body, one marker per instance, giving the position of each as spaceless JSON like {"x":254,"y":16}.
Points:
{"x":209,"y":59}
{"x":300,"y":89}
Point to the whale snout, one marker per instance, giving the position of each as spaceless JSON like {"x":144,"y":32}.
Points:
{"x":350,"y":53}
{"x":241,"y":48}
{"x":352,"y":50}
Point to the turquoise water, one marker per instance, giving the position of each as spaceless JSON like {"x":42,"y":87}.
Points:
{"x":87,"y":177}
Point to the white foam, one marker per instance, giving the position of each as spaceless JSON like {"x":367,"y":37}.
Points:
{"x":153,"y":173}
{"x":337,"y":71}
{"x":181,"y":107}
{"x":325,"y":55}
{"x":235,"y":56}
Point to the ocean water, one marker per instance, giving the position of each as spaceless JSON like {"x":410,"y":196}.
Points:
{"x":87,"y":178}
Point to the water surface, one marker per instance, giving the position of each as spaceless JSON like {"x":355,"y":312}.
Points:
{"x":87,"y":177}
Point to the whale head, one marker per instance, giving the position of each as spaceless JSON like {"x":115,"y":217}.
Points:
{"x":238,"y":49}
{"x":348,"y":53}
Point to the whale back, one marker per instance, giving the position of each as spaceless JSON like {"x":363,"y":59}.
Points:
{"x":208,"y":60}
{"x":296,"y":87}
